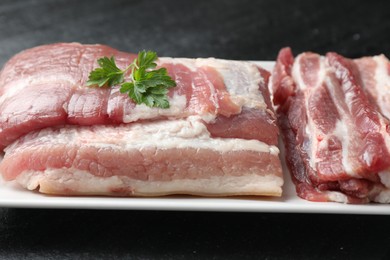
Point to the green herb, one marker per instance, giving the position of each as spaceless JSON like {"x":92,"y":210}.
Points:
{"x":144,"y":84}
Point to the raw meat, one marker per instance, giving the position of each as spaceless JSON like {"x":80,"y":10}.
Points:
{"x":218,"y":137}
{"x":337,"y":143}
{"x":143,"y":159}
{"x":45,"y":87}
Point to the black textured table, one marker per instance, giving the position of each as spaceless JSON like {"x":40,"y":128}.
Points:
{"x":242,"y":29}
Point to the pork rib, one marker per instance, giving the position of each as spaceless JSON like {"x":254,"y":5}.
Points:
{"x":337,"y":143}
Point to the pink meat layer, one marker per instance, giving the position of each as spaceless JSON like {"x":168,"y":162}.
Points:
{"x":45,"y":86}
{"x":335,"y":138}
{"x":150,"y":163}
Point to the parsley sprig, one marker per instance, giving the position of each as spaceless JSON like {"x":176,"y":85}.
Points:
{"x":144,"y":84}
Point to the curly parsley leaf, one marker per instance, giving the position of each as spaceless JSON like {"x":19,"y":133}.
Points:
{"x":145,"y":84}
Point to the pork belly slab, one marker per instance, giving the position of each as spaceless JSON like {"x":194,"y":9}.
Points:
{"x":333,"y":116}
{"x":145,"y":159}
{"x":45,"y":87}
{"x":218,"y":138}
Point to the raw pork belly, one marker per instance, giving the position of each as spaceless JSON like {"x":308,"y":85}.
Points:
{"x":218,"y":137}
{"x":332,"y":112}
{"x":45,"y":87}
{"x":153,"y":158}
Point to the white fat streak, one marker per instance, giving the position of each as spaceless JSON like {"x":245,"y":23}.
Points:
{"x":188,"y":133}
{"x":313,"y":143}
{"x":341,"y":132}
{"x":349,"y":96}
{"x":382,"y":86}
{"x":241,"y":78}
{"x":323,"y":71}
{"x":296,"y":73}
{"x":142,"y":111}
{"x":171,"y":134}
{"x":74,"y":181}
{"x":270,"y":86}
{"x":337,"y":197}
{"x":310,"y":130}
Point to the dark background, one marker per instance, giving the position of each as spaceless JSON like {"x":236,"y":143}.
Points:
{"x":253,"y":30}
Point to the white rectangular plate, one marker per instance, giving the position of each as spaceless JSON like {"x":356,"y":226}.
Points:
{"x":11,"y":195}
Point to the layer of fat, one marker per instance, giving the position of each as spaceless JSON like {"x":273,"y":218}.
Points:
{"x":241,"y":78}
{"x":166,"y":134}
{"x":342,"y":133}
{"x":296,"y":74}
{"x":337,"y":196}
{"x":76,"y":182}
{"x":142,"y":111}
